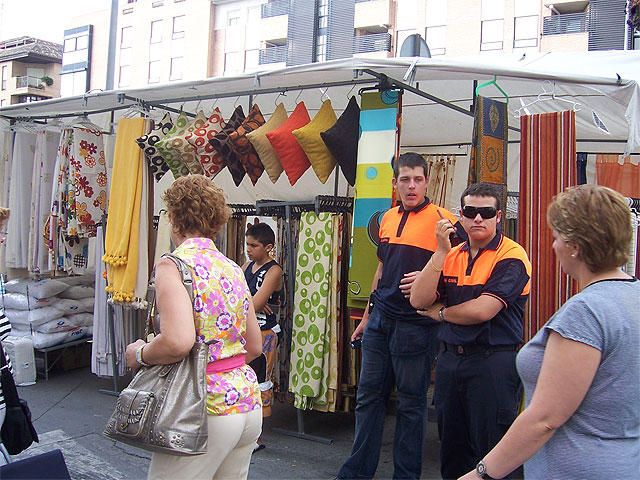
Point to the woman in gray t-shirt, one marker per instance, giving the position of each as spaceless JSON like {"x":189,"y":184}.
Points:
{"x":581,"y":372}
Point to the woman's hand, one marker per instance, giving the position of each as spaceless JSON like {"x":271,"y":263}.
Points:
{"x":130,"y":355}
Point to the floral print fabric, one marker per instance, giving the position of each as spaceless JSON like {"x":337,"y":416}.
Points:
{"x":221,"y":303}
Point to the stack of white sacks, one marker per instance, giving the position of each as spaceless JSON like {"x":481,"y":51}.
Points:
{"x":50,"y":311}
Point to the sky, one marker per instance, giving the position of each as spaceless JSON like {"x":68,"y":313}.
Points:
{"x":43,"y":19}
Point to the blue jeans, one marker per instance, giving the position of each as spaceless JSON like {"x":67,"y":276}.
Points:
{"x":400,"y":352}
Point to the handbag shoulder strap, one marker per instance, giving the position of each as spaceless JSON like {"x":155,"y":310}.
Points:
{"x":187,"y":281}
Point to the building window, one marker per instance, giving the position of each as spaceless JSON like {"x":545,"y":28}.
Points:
{"x":322,"y":30}
{"x":176,"y":69}
{"x":126,"y":42}
{"x":492,"y":35}
{"x":178,"y":27}
{"x":233,"y":62}
{"x":154,"y":71}
{"x":436,"y":38}
{"x":4,"y":77}
{"x":156,"y":32}
{"x":233,"y":18}
{"x":3,"y":102}
{"x":525,"y":31}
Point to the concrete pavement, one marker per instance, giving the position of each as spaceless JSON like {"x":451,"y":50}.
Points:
{"x":70,"y":413}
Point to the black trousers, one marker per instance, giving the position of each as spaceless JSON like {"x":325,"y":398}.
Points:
{"x":477,"y":398}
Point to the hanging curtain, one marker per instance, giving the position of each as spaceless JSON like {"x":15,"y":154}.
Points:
{"x":622,"y":176}
{"x":441,"y":172}
{"x":547,"y":167}
{"x":312,"y":317}
{"x":236,"y":228}
{"x":42,"y":187}
{"x":6,"y":149}
{"x":488,"y":162}
{"x":379,"y":127}
{"x":17,"y":253}
{"x":631,"y":267}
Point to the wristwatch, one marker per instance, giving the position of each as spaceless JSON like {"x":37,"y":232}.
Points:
{"x":441,"y":314}
{"x":139,"y":356}
{"x":481,"y":470}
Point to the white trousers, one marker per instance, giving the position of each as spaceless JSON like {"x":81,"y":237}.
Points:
{"x":229,"y":448}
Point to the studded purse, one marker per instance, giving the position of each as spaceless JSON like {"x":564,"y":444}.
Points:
{"x":163,"y":409}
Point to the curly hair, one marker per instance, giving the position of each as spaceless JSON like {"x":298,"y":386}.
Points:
{"x":196,"y":206}
{"x":598,"y":220}
{"x":4,"y":215}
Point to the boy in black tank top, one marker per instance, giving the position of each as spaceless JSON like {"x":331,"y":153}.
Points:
{"x":264,"y":278}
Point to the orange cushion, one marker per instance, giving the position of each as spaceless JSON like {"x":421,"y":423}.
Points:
{"x":291,"y":155}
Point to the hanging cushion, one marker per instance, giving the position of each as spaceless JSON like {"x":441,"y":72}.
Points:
{"x":309,"y":139}
{"x":265,"y":151}
{"x":342,"y":140}
{"x":183,"y":148}
{"x":208,"y":156}
{"x":171,"y":157}
{"x":242,"y":146}
{"x":293,"y":159}
{"x":148,"y":142}
{"x":221,"y":144}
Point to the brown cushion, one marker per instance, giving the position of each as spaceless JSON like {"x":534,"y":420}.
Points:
{"x":221,"y":144}
{"x":342,"y":140}
{"x":242,"y":146}
{"x":267,"y":154}
{"x":290,"y":153}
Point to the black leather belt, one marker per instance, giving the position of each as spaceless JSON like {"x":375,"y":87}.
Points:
{"x":472,"y":349}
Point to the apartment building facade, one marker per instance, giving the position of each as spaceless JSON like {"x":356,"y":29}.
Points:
{"x":161,"y":41}
{"x":29,"y":70}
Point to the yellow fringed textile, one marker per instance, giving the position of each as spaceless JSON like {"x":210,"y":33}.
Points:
{"x":121,"y":241}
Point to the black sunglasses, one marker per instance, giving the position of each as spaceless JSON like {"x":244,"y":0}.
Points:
{"x":485,"y":212}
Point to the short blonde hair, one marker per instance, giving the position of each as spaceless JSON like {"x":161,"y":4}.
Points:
{"x":598,"y":220}
{"x":195,"y":205}
{"x":4,"y":215}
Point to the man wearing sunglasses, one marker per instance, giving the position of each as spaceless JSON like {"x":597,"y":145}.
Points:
{"x":478,"y":291}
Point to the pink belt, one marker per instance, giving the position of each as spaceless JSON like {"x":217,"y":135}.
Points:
{"x":226,"y":364}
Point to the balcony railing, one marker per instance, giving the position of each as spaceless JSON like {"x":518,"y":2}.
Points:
{"x":362,"y":1}
{"x":375,"y":42}
{"x":565,"y":23}
{"x":273,"y":55}
{"x":28,"y":81}
{"x":275,"y":8}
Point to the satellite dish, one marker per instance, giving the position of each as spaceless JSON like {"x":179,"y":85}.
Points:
{"x":414,"y":46}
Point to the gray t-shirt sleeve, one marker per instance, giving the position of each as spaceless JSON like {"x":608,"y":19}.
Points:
{"x":578,"y":322}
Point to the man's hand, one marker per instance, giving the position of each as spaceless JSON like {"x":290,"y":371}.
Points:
{"x":266,"y":310}
{"x":407,"y":282}
{"x":130,"y":354}
{"x":444,"y":228}
{"x":432,"y":311}
{"x":357,"y":333}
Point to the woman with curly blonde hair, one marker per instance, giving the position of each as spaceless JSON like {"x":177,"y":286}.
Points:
{"x":222,"y":315}
{"x":581,"y":372}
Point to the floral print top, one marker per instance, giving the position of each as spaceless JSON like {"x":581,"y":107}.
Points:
{"x":220,"y":304}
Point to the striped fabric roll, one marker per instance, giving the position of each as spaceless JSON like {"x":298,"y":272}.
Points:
{"x":547,"y":167}
{"x":5,"y":329}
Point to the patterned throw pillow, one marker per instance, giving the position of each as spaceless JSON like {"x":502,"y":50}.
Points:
{"x":208,"y":156}
{"x":309,"y":139}
{"x":243,"y":148}
{"x":183,"y":148}
{"x":221,"y":144}
{"x":289,"y":151}
{"x":267,"y":154}
{"x":170,"y":156}
{"x":342,"y":140}
{"x":147,"y":143}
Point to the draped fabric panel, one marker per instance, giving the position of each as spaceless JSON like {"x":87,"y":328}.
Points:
{"x":547,"y":167}
{"x":6,"y":151}
{"x":441,"y":173}
{"x":581,"y":162}
{"x":622,"y":176}
{"x":17,"y":253}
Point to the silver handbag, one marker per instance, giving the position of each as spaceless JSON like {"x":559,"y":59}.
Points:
{"x":163,"y":409}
